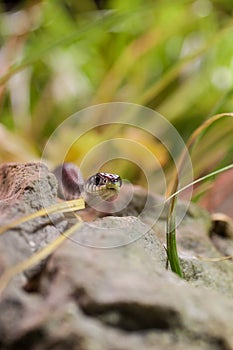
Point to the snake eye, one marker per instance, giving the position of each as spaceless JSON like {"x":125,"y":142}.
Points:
{"x":97,"y":179}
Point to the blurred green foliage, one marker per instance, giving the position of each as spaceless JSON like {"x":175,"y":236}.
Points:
{"x":58,"y":57}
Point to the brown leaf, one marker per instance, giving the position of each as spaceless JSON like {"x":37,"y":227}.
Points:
{"x":220,"y":197}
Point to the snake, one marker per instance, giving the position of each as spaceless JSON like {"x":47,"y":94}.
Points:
{"x":71,"y":184}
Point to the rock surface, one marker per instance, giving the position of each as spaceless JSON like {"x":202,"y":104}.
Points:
{"x":107,"y":287}
{"x":24,"y":189}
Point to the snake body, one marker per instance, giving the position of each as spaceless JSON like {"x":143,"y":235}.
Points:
{"x":71,"y":184}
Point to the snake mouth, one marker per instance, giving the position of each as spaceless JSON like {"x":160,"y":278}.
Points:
{"x":114,"y":186}
{"x":108,"y":190}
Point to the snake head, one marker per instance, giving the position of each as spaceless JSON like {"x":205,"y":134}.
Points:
{"x":104,"y":185}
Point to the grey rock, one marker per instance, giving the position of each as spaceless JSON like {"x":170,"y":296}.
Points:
{"x":194,"y":239}
{"x":107,"y":287}
{"x":24,"y":189}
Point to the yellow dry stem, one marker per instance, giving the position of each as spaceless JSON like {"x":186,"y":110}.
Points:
{"x":35,"y":258}
{"x":64,"y":207}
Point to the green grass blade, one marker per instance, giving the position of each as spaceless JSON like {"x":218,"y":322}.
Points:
{"x":172,"y":252}
{"x":200,"y":179}
{"x":152,"y":91}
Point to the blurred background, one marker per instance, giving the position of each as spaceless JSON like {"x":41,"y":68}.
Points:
{"x":58,"y":57}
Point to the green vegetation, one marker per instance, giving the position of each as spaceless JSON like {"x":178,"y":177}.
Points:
{"x":58,"y":57}
{"x":172,"y":56}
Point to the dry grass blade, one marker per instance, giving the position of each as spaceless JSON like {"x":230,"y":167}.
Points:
{"x":36,"y":258}
{"x":64,"y":207}
{"x":222,"y":258}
